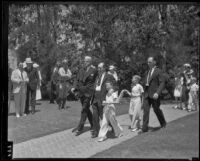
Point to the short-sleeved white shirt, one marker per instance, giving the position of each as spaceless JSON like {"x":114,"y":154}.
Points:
{"x":137,"y":90}
{"x":111,"y":98}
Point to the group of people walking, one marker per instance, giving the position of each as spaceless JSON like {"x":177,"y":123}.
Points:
{"x":26,"y":80}
{"x":186,"y":89}
{"x":98,"y":89}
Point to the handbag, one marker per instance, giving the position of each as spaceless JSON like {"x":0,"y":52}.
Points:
{"x":38,"y":94}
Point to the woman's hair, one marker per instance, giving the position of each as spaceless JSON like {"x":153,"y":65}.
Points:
{"x":137,"y":77}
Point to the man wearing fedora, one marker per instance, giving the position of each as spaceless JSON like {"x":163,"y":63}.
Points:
{"x":31,"y":86}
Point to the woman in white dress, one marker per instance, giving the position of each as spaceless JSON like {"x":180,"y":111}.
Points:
{"x":38,"y":91}
{"x":136,"y":101}
{"x":109,"y":116}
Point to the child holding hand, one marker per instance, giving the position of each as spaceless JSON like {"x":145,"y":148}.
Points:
{"x":135,"y":102}
{"x":109,"y":116}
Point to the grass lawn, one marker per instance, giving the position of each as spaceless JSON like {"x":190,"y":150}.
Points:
{"x":180,"y":139}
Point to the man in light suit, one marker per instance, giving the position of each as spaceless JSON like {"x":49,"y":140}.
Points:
{"x":19,"y":79}
{"x":154,"y":83}
{"x":99,"y":96}
{"x":84,"y":85}
{"x":34,"y":81}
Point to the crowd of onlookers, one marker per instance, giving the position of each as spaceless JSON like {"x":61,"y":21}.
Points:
{"x":186,"y":89}
{"x":26,"y":81}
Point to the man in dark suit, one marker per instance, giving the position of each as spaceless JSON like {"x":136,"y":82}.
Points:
{"x":154,"y":84}
{"x":54,"y":83}
{"x":31,"y":86}
{"x":99,"y":96}
{"x":84,"y":85}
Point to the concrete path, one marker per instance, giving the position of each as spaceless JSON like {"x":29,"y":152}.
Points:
{"x":65,"y":145}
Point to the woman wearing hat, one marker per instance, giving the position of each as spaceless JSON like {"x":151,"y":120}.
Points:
{"x":19,"y":79}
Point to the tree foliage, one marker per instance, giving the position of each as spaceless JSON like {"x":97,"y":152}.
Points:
{"x":124,"y":35}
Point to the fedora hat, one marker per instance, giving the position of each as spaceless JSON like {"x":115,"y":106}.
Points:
{"x":111,"y":67}
{"x":187,"y":65}
{"x":35,"y":65}
{"x":28,"y":60}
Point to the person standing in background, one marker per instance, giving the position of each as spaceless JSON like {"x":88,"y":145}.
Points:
{"x":187,"y":73}
{"x":19,"y":79}
{"x":193,"y":95}
{"x":38,"y":91}
{"x":54,"y":83}
{"x":178,"y":91}
{"x":32,"y":85}
{"x":64,"y":84}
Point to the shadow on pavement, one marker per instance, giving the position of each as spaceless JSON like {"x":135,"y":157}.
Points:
{"x":153,"y":129}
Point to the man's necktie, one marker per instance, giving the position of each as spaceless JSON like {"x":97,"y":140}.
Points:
{"x":148,"y":77}
{"x":99,"y":80}
{"x":22,"y":76}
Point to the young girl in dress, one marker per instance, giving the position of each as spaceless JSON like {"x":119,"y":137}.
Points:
{"x":109,"y":116}
{"x":178,"y":91}
{"x":135,"y":103}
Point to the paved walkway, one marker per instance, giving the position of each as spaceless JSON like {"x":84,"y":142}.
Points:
{"x":65,"y":145}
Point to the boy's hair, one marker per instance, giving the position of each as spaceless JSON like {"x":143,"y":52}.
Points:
{"x":137,"y":77}
{"x":111,"y":83}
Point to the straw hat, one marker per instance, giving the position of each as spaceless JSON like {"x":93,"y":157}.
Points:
{"x":187,"y":65}
{"x":28,"y":60}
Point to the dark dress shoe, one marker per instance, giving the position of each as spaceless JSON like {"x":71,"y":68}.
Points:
{"x":74,"y":130}
{"x":94,"y":134}
{"x":164,"y":125}
{"x":79,"y":133}
{"x":141,"y":132}
{"x":32,"y":112}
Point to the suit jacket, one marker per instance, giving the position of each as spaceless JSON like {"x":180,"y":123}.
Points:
{"x":16,"y":78}
{"x":84,"y":82}
{"x":156,"y":83}
{"x":99,"y":96}
{"x":33,"y":76}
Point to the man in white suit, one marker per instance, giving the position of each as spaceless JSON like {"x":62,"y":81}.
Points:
{"x":19,"y":79}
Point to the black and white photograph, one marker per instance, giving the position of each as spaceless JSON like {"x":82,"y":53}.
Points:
{"x":102,"y":80}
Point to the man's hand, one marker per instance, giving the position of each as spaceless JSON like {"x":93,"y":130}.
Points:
{"x":155,"y":96}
